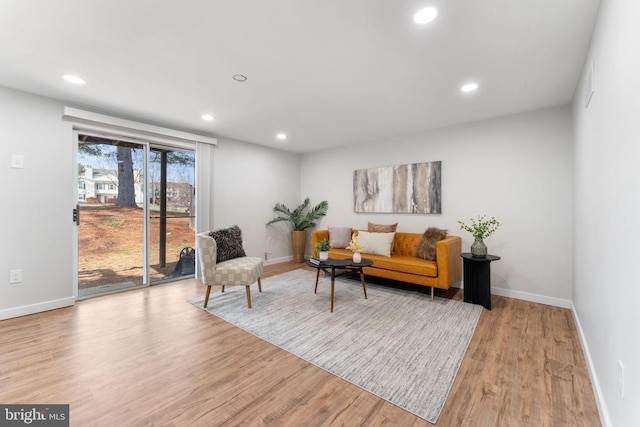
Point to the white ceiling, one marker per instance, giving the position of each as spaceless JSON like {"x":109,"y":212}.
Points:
{"x":327,"y":73}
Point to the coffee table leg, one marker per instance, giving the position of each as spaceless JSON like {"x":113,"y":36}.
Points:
{"x":364,"y":288}
{"x":317,"y":276}
{"x":333,"y":284}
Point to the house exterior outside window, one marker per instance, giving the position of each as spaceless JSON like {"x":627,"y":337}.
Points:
{"x":101,"y":186}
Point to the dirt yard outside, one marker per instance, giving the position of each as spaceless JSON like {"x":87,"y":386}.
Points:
{"x":110,"y":244}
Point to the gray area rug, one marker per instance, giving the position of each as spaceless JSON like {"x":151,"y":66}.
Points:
{"x":397,"y":344}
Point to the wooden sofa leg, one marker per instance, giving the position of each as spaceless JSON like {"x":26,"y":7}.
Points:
{"x":206,"y":298}
{"x":248,"y":296}
{"x":259,"y":285}
{"x":432,"y":292}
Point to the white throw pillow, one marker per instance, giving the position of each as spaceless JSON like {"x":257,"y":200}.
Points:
{"x":376,"y":243}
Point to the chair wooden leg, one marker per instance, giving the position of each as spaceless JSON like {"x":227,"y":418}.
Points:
{"x":432,"y":292}
{"x":259,"y":285}
{"x":206,"y":298}
{"x":222,"y":288}
{"x":248,"y":288}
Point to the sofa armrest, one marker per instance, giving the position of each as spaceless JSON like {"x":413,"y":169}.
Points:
{"x":449,"y":261}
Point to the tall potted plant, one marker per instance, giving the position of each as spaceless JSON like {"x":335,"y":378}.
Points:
{"x":301,"y":218}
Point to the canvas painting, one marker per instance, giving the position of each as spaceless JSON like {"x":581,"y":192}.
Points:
{"x":411,"y":188}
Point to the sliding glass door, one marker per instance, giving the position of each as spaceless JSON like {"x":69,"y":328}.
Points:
{"x":136,"y":217}
{"x":171,"y":214}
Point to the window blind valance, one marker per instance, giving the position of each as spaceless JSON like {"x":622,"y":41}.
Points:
{"x":96,"y":122}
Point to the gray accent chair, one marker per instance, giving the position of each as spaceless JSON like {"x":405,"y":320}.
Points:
{"x":242,"y":271}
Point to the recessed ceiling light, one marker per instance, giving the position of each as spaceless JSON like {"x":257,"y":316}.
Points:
{"x":73,"y":79}
{"x":281,"y":136}
{"x":424,"y":16}
{"x":207,"y":117}
{"x":239,"y":78}
{"x":469,"y":87}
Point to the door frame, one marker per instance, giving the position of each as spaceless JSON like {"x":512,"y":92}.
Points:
{"x":145,"y":205}
{"x":203,"y":146}
{"x":147,"y":145}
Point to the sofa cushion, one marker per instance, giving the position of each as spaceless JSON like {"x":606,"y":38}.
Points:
{"x":426,"y":248}
{"x":376,"y":243}
{"x":406,"y":243}
{"x":228,"y":242}
{"x":381,"y":228}
{"x":402,"y":263}
{"x":339,"y":237}
{"x":408,"y":264}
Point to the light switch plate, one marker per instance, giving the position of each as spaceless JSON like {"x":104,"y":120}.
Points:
{"x":621,"y":379}
{"x":589,"y":84}
{"x":15,"y":276}
{"x":17,"y":161}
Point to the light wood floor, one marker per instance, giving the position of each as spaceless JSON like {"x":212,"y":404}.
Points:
{"x":146,"y":357}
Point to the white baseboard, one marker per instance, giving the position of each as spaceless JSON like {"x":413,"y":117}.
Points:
{"x":526,"y":296}
{"x":36,"y":308}
{"x":278,"y":260}
{"x":602,"y":407}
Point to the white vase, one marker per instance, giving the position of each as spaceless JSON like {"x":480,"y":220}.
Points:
{"x":357,"y":258}
{"x":324,"y":255}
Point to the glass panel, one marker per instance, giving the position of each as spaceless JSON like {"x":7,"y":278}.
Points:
{"x":171,"y":215}
{"x":111,"y":230}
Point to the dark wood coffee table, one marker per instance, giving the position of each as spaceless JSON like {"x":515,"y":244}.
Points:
{"x":330,"y":265}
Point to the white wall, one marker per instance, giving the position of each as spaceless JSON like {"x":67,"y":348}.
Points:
{"x":516,"y":168}
{"x":249,"y":180}
{"x":37,"y":201}
{"x":36,"y":224}
{"x":606,"y":289}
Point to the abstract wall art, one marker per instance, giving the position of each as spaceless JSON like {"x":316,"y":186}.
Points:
{"x":412,"y":188}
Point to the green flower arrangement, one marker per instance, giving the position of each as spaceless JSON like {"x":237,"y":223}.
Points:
{"x":482,"y":227}
{"x":323,"y":245}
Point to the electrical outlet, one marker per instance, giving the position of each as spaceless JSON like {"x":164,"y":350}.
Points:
{"x":621,"y":378}
{"x":15,"y":276}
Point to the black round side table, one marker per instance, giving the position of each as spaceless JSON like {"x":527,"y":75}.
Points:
{"x":477,"y":279}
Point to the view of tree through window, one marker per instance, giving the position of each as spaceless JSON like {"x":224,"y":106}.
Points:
{"x":111,"y":197}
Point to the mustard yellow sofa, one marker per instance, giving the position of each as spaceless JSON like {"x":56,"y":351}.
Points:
{"x":404,"y":266}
